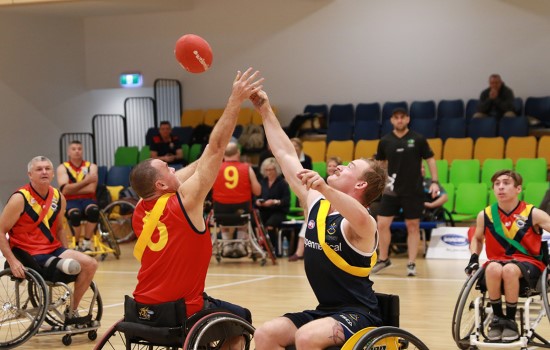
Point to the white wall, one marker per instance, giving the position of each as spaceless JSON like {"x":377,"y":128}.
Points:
{"x":55,"y":74}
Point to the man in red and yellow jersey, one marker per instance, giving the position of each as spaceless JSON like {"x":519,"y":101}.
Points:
{"x":32,"y":217}
{"x":232,"y":194}
{"x":512,"y":230}
{"x":174,"y":245}
{"x":77,"y":179}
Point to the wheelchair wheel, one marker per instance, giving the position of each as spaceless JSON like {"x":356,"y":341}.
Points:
{"x":389,"y":338}
{"x":545,"y":291}
{"x":464,"y":312}
{"x":107,"y":234}
{"x":19,"y":318}
{"x":211,"y":331}
{"x":119,"y":213}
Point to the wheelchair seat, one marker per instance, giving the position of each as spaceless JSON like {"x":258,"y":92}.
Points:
{"x":50,"y":274}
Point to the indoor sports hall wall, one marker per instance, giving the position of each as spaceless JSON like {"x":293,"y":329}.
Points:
{"x":57,"y":72}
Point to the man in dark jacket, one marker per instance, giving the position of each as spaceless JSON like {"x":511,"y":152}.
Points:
{"x":497,"y":100}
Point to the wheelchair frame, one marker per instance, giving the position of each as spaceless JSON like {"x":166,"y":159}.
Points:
{"x":205,"y":330}
{"x":30,"y":302}
{"x":469,"y":330}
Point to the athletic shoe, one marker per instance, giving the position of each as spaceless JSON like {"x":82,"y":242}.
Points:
{"x":411,"y":269}
{"x":86,"y":245}
{"x":495,"y":329}
{"x":295,"y":257}
{"x":380,"y":265}
{"x":240,"y":249}
{"x":227,"y":250}
{"x":509,"y":330}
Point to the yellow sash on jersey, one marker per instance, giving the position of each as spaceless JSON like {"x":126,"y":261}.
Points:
{"x":77,"y":176}
{"x":330,"y":253}
{"x":150,"y":223}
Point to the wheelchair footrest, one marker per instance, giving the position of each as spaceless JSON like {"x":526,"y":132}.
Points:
{"x":56,"y":330}
{"x":78,"y":320}
{"x":163,"y":336}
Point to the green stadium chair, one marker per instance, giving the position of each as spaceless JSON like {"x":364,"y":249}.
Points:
{"x":126,"y":155}
{"x":295,"y":212}
{"x":442,"y":170}
{"x":491,"y":166}
{"x":144,"y":153}
{"x":195,"y":152}
{"x":532,"y":170}
{"x":464,"y":171}
{"x":470,"y":199}
{"x":450,"y":190}
{"x":534,"y":192}
{"x":321,"y":168}
{"x":185,"y":151}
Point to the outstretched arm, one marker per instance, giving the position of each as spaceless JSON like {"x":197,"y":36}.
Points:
{"x":195,"y":189}
{"x":280,"y":145}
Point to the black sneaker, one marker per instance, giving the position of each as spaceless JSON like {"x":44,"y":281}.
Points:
{"x":495,"y":329}
{"x":509,"y":330}
{"x":380,"y":265}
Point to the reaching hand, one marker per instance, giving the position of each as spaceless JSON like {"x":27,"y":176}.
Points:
{"x":258,"y":99}
{"x":473,"y":265}
{"x":246,"y":85}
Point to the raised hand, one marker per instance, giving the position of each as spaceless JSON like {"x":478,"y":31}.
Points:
{"x":246,"y":84}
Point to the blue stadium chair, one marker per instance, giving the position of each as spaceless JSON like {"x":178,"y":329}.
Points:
{"x":450,"y":109}
{"x":538,"y":107}
{"x":367,"y":111}
{"x":386,"y":127}
{"x":339,"y":132}
{"x":422,"y":110}
{"x":183,"y":133}
{"x":453,"y":127}
{"x":471,"y":108}
{"x":388,"y":107}
{"x":238,"y":131}
{"x":101,"y":174}
{"x":366,"y":130}
{"x":517,"y":126}
{"x":482,"y":127}
{"x":317,"y":109}
{"x":518,"y":105}
{"x":151,"y":132}
{"x":341,"y":113}
{"x":119,"y":176}
{"x":426,"y":127}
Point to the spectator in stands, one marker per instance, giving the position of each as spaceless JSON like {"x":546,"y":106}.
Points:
{"x":33,"y":220}
{"x":232,"y":194}
{"x":77,"y":179}
{"x":497,"y":100}
{"x":304,"y":158}
{"x":403,"y":150}
{"x":274,"y":200}
{"x":167,"y":147}
{"x":332,"y":163}
{"x":512,"y":232}
{"x":431,"y":202}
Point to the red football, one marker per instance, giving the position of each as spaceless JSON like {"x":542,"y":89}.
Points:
{"x":193,"y":53}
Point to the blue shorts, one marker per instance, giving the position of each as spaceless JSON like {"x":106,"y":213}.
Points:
{"x":80,"y":204}
{"x":352,"y":319}
{"x":212,"y":303}
{"x":42,"y":258}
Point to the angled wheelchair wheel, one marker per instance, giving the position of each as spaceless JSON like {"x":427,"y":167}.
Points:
{"x":119,"y":213}
{"x":214,"y":330}
{"x":389,"y":338}
{"x":107,"y":234}
{"x":114,"y":339}
{"x":545,"y":291}
{"x":20,"y":319}
{"x":464,"y":312}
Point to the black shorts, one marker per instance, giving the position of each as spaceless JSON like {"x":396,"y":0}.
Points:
{"x":352,"y":319}
{"x":412,"y":206}
{"x":530,"y":273}
{"x":212,"y":303}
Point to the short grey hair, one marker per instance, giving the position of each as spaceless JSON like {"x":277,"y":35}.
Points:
{"x":36,"y":160}
{"x":270,"y":161}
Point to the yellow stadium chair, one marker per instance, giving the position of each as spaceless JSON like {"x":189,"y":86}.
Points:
{"x":544,"y":148}
{"x":245,"y":116}
{"x":366,"y":149}
{"x":192,"y":117}
{"x":257,"y":118}
{"x":521,"y":147}
{"x":342,"y":149}
{"x":458,"y":148}
{"x":212,"y":115}
{"x":489,"y":147}
{"x":315,"y":149}
{"x":436,"y":144}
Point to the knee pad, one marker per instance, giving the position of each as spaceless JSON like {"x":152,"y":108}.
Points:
{"x":75,"y":216}
{"x":92,"y":213}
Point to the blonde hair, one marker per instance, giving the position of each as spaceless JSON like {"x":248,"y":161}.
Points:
{"x":268,"y":162}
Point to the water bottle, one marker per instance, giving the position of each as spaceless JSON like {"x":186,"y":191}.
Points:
{"x":285,"y":247}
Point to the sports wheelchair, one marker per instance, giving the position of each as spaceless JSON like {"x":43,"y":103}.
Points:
{"x":473,"y":314}
{"x":387,"y":337}
{"x":257,"y":244}
{"x":43,"y":296}
{"x":165,"y":326}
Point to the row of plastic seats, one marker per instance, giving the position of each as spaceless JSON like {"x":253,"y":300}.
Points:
{"x":131,"y":155}
{"x":450,"y":149}
{"x":430,"y":128}
{"x":538,"y":107}
{"x":195,"y":117}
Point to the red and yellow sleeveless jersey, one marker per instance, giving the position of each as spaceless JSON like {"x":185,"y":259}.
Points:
{"x":175,"y":261}
{"x":26,"y":233}
{"x":517,"y":225}
{"x":77,"y":174}
{"x":232,"y":184}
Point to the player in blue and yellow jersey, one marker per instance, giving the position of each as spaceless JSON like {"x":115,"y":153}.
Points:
{"x":512,"y":230}
{"x":77,"y":179}
{"x":340,"y":246}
